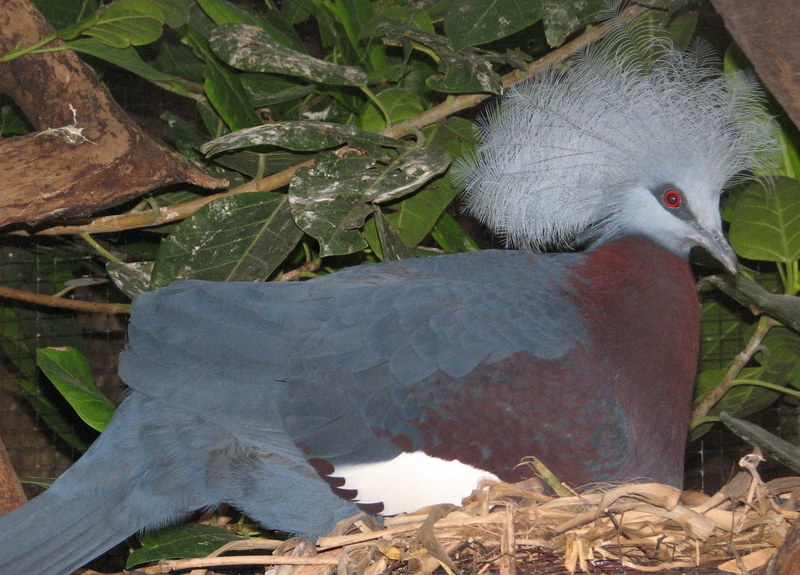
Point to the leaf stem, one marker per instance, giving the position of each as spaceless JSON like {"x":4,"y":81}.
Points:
{"x":766,"y":385}
{"x":100,"y":249}
{"x":378,"y":104}
{"x":33,"y":49}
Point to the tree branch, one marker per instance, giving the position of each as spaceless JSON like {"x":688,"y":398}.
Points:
{"x":60,"y":302}
{"x":88,"y":154}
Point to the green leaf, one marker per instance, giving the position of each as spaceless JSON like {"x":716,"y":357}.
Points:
{"x":780,"y":449}
{"x":562,"y":18}
{"x":464,"y":73}
{"x":223,"y":12}
{"x":449,"y":235}
{"x":69,"y":371}
{"x":241,"y":237}
{"x":252,"y":49}
{"x":28,"y":269}
{"x":128,"y":59}
{"x":392,"y":245}
{"x":765,"y":223}
{"x":414,"y":217}
{"x":62,"y":14}
{"x":180,"y":542}
{"x":222,"y":87}
{"x":176,"y":12}
{"x":400,"y":104}
{"x":126,"y":23}
{"x":331,"y":199}
{"x":741,"y":400}
{"x":780,"y":354}
{"x":474,"y":22}
{"x":298,"y":136}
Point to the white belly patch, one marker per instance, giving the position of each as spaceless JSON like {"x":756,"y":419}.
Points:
{"x":411,"y":481}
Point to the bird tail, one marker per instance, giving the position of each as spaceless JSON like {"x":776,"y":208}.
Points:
{"x":116,"y":489}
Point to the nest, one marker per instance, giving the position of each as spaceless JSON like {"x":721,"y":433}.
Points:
{"x":509,"y":529}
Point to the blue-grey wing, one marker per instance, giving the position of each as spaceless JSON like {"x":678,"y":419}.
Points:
{"x":337,"y":362}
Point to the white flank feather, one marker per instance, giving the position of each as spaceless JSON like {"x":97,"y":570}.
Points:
{"x":557,"y":158}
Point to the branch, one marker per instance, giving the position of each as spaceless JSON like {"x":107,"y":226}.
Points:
{"x":53,"y":301}
{"x":710,"y":399}
{"x":87,"y":154}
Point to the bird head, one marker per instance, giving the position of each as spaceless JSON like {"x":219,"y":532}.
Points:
{"x":623,"y":141}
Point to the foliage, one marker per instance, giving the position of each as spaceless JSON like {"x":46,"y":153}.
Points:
{"x":352,"y":104}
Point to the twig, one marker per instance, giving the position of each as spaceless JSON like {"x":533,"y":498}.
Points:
{"x":52,"y":301}
{"x":710,"y":399}
{"x":275,"y":181}
{"x":184,"y":564}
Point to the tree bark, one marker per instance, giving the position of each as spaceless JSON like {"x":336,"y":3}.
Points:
{"x":88,"y":154}
{"x":767,"y":33}
{"x":11,"y":494}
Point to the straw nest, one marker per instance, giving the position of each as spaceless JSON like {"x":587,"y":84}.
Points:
{"x":516,"y":529}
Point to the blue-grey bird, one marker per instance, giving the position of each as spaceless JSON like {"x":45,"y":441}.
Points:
{"x":390,"y":387}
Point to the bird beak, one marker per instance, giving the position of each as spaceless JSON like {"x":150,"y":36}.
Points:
{"x":718,"y":247}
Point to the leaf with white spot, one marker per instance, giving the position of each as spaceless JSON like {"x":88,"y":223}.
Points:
{"x":474,"y":22}
{"x":333,"y":198}
{"x":242,"y":237}
{"x":462,"y":73}
{"x":301,"y":136}
{"x":252,"y":49}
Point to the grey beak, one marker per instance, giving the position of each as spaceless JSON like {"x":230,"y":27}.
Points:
{"x":720,"y":249}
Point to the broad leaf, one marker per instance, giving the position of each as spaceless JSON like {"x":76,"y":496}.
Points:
{"x":765,"y":223}
{"x":463,"y":73}
{"x":451,"y":237}
{"x":252,"y":49}
{"x":562,"y":18}
{"x":123,"y":23}
{"x":400,"y":104}
{"x":36,"y":271}
{"x":780,"y":355}
{"x":69,"y":371}
{"x":180,"y":542}
{"x":392,"y":245}
{"x":331,"y":200}
{"x":770,"y":444}
{"x":299,"y":136}
{"x":474,"y":22}
{"x":128,"y":59}
{"x":176,"y":12}
{"x":224,"y":12}
{"x":62,"y":14}
{"x":241,"y":237}
{"x":223,"y":88}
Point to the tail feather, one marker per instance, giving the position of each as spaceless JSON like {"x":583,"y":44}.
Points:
{"x":52,"y":535}
{"x":140,"y":473}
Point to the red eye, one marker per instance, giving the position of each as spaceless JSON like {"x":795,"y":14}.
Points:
{"x":672,"y":198}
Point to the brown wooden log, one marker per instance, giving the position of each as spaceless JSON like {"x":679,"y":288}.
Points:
{"x":767,"y":32}
{"x":88,"y":154}
{"x":11,"y":494}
